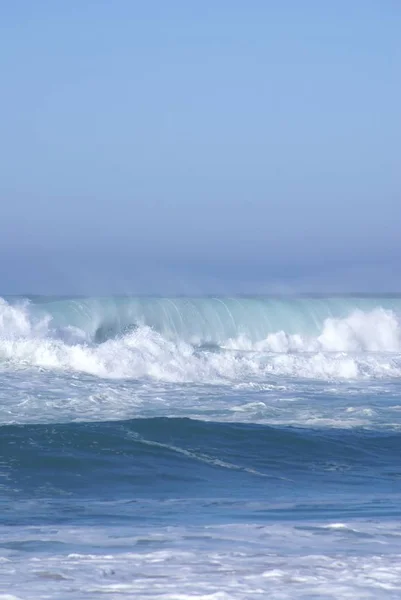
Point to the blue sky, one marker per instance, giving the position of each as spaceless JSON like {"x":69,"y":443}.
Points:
{"x":187,"y":147}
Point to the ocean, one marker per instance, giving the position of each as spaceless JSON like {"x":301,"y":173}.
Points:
{"x":200,"y":448}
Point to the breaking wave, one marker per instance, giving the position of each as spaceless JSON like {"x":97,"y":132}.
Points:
{"x":209,"y":339}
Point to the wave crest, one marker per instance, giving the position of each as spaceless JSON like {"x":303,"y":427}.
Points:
{"x":375,"y":331}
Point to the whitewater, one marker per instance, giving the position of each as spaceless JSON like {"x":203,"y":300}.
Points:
{"x":215,"y":448}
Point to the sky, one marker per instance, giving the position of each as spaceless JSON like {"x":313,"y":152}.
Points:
{"x":200,"y":147}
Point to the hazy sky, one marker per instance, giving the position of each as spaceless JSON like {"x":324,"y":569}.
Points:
{"x":199,"y":146}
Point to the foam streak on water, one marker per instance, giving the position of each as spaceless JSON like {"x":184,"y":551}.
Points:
{"x":219,"y":448}
{"x":355,"y":560}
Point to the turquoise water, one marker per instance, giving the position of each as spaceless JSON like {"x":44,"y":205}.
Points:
{"x":200,"y":448}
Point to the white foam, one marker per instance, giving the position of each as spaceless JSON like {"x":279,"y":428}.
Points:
{"x":49,"y":374}
{"x":16,"y":322}
{"x":360,"y":559}
{"x":359,"y":346}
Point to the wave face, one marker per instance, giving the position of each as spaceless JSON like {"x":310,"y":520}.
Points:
{"x":204,"y":339}
{"x":152,"y":458}
{"x":208,"y":320}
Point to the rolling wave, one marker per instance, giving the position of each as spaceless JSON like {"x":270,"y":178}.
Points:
{"x":209,"y":339}
{"x":135,"y":453}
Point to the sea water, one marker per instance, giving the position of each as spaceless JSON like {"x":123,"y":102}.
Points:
{"x":208,"y":448}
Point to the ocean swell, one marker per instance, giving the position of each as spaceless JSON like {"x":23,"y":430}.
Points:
{"x":177,"y":451}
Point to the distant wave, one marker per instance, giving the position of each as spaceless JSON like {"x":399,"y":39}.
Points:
{"x":204,"y":338}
